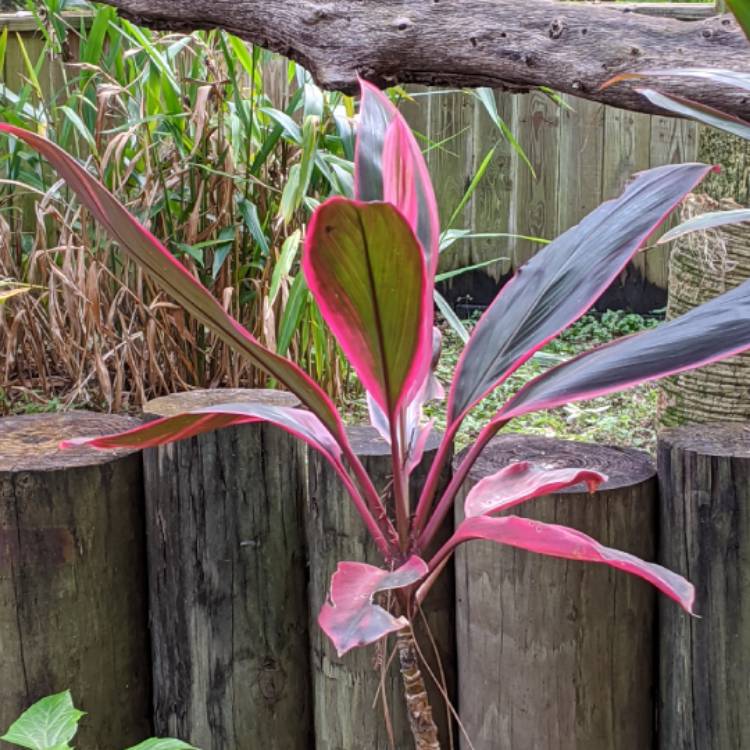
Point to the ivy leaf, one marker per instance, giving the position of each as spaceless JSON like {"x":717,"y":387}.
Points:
{"x":50,"y":724}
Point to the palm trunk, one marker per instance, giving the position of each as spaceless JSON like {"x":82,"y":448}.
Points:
{"x":417,"y":703}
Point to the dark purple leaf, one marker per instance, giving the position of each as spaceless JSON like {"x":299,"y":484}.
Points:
{"x":389,"y":166}
{"x":563,"y":280}
{"x":715,"y":330}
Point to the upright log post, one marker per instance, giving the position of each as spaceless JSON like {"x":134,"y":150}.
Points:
{"x":73,"y":596}
{"x":704,"y":534}
{"x":227,"y":581}
{"x":556,"y":654}
{"x":347,"y":695}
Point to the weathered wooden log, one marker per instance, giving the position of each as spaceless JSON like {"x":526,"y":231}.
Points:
{"x":704,"y":534}
{"x":348,"y":701}
{"x":557,"y":654}
{"x":73,"y":596}
{"x":227,"y":581}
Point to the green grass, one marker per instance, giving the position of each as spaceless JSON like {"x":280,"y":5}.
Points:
{"x":625,"y":419}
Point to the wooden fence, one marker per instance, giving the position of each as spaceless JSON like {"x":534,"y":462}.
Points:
{"x":581,"y":153}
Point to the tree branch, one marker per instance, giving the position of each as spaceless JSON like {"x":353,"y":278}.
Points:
{"x":510,"y":44}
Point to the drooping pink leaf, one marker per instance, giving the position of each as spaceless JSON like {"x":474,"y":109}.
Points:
{"x":298,"y":422}
{"x":383,"y":129}
{"x":561,"y":541}
{"x":349,"y":617}
{"x":365,"y":269}
{"x":563,"y":280}
{"x":136,"y":241}
{"x":715,"y":330}
{"x":522,"y":481}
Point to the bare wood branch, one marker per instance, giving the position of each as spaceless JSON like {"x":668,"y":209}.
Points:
{"x":508,"y":44}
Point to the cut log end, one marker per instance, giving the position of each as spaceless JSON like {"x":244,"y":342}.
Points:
{"x":176,"y":403}
{"x":720,"y":440}
{"x":32,"y":442}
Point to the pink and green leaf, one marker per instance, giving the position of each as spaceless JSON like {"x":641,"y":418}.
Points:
{"x":350,"y":618}
{"x":715,"y":330}
{"x":522,"y":481}
{"x":137,"y":242}
{"x":560,"y":541}
{"x":563,"y":280}
{"x":389,"y":166}
{"x":366,"y":271}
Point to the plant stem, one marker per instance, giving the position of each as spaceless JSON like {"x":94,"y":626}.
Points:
{"x":418,"y":707}
{"x":446,"y":500}
{"x":433,"y":478}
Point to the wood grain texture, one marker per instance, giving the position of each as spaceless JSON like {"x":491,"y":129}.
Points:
{"x":348,"y":710}
{"x":572,"y":47}
{"x":704,"y":528}
{"x":556,"y":654}
{"x":534,"y":208}
{"x":73,"y":595}
{"x":227,"y":583}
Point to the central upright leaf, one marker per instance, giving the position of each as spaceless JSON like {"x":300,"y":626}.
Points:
{"x":367,"y":272}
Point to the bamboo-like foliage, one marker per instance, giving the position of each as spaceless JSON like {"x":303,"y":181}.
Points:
{"x":222,"y":149}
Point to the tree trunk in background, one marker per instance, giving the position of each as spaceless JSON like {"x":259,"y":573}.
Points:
{"x":571,"y":47}
{"x":227,"y":581}
{"x":704,"y":265}
{"x":73,"y":595}
{"x":733,"y":154}
{"x":704,"y":475}
{"x":556,"y":654}
{"x":348,"y":710}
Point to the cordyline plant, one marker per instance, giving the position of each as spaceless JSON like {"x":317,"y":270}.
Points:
{"x":371,"y":264}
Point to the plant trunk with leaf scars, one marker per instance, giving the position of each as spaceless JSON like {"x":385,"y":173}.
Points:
{"x":573,"y":48}
{"x":415,"y":691}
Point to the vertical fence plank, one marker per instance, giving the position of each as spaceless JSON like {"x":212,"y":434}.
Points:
{"x":536,"y":125}
{"x":348,"y":703}
{"x":489,"y":208}
{"x":226,"y":550}
{"x":555,"y":654}
{"x":581,"y":160}
{"x":704,"y":534}
{"x":73,"y":594}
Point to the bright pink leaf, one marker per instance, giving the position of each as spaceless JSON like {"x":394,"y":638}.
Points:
{"x":349,"y":617}
{"x":365,"y":269}
{"x":561,"y":541}
{"x":523,"y":481}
